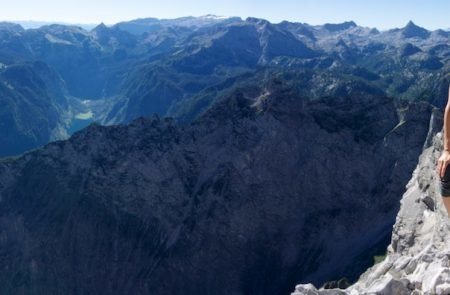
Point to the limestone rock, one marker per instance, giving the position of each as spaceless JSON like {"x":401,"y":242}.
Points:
{"x":418,"y":256}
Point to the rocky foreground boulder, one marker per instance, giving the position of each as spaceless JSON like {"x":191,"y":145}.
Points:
{"x":418,"y":257}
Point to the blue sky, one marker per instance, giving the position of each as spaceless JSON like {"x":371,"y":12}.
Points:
{"x":382,"y":14}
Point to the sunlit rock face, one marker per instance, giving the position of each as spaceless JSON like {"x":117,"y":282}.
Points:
{"x":417,"y":260}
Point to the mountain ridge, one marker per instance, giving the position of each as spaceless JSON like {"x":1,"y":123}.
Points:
{"x":110,"y":65}
{"x":172,"y":190}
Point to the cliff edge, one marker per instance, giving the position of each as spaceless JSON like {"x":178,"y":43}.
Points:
{"x":417,"y":260}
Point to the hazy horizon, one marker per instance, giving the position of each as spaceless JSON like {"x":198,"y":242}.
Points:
{"x":381,"y":14}
{"x":31,"y":24}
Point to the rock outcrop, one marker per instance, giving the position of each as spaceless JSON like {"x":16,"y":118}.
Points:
{"x":258,"y":193}
{"x":418,"y":258}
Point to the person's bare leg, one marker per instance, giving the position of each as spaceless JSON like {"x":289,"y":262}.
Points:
{"x":446,"y":201}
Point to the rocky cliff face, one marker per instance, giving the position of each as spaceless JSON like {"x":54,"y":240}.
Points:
{"x":34,"y":107}
{"x":260,"y":192}
{"x":418,"y":257}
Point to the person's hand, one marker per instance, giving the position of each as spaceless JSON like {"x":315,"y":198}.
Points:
{"x":443,"y":162}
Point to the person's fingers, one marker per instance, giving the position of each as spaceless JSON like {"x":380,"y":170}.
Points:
{"x":443,"y":166}
{"x":438,"y":167}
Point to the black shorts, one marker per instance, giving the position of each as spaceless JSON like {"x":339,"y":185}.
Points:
{"x":445,"y":183}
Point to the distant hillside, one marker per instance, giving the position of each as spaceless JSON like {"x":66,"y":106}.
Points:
{"x":181,"y":67}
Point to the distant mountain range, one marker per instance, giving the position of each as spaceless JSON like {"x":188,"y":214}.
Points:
{"x":181,"y":67}
{"x":32,"y":24}
{"x":240,"y":156}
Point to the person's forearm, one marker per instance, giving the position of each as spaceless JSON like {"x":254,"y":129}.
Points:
{"x":447,"y":124}
{"x":447,"y":128}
